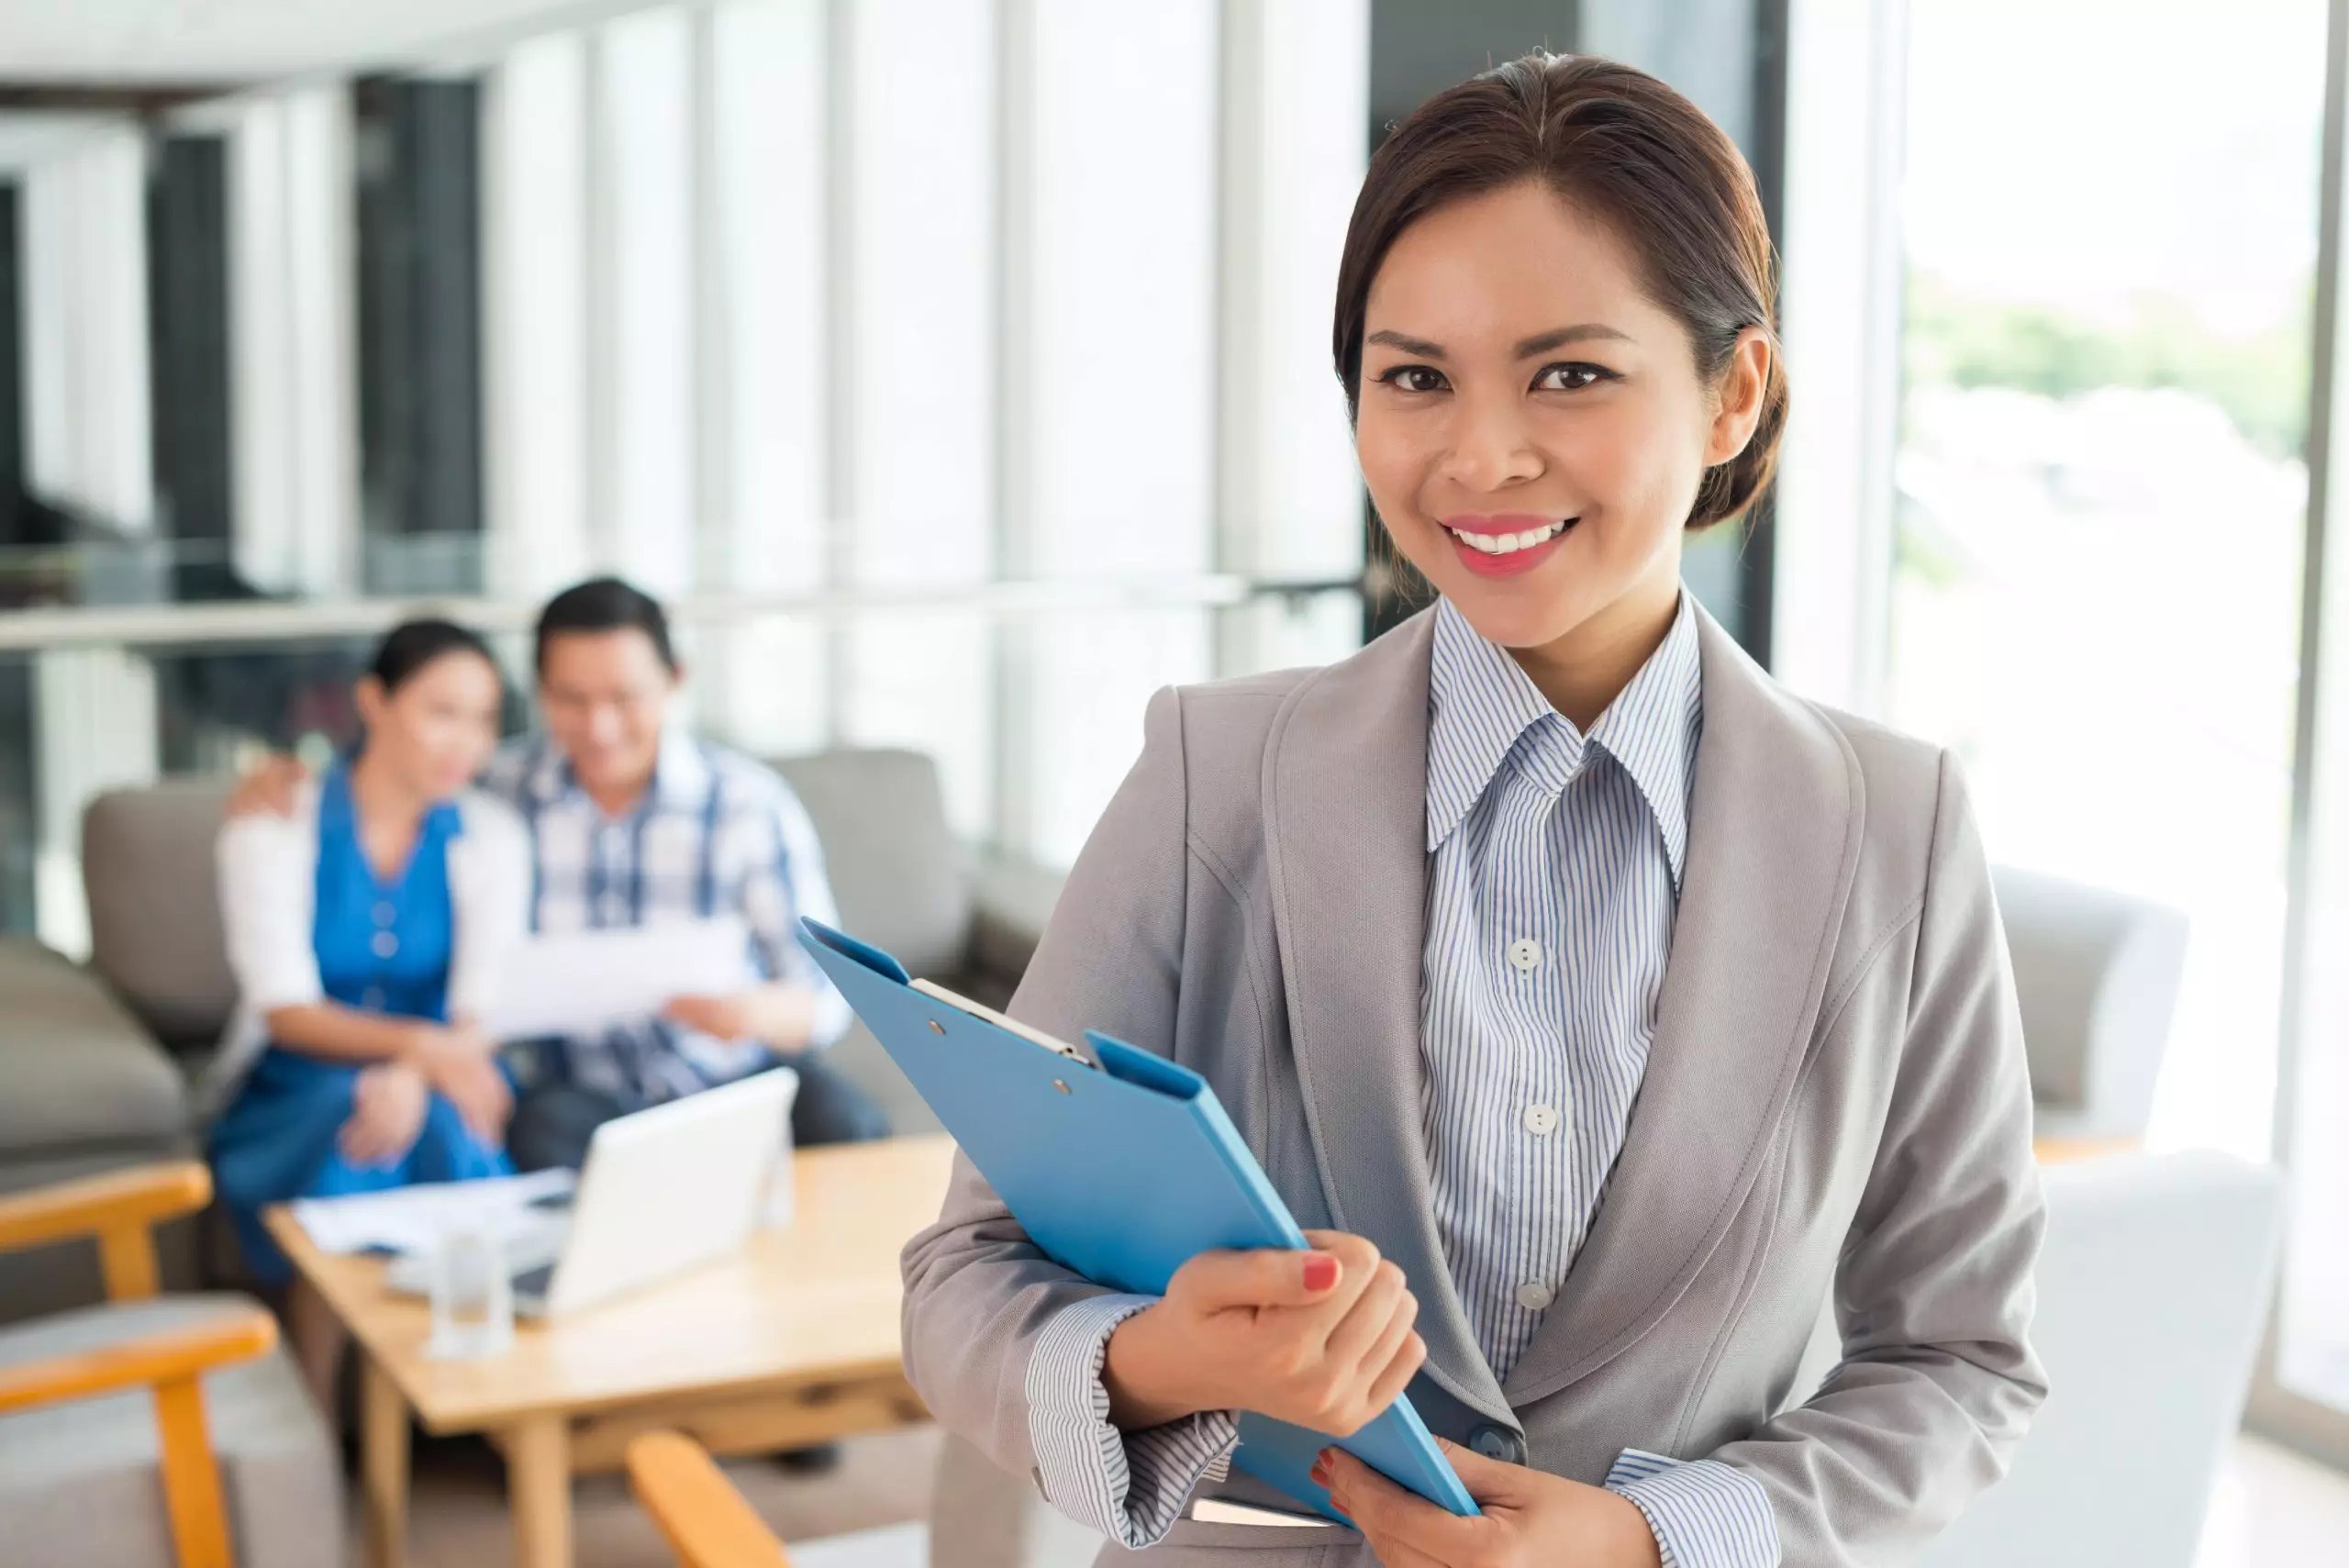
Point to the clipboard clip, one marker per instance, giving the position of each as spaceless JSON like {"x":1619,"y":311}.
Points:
{"x":938,"y":993}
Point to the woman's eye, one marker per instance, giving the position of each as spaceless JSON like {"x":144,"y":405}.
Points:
{"x":1570,"y":378}
{"x":1414,"y":378}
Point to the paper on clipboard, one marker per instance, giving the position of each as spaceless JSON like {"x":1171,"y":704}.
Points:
{"x":576,"y":984}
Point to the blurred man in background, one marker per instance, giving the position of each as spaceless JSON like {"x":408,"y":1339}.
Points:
{"x":633,"y":822}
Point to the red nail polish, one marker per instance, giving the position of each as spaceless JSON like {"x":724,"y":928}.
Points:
{"x":1320,"y":1271}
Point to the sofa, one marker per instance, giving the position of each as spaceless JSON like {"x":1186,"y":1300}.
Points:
{"x":97,"y":1062}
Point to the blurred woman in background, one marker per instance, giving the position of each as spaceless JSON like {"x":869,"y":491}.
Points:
{"x":364,"y":931}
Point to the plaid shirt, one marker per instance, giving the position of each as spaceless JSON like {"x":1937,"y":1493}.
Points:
{"x":716,"y":834}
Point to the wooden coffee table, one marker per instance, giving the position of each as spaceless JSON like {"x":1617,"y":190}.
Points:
{"x":792,"y":1342}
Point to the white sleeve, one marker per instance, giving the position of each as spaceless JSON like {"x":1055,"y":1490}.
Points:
{"x":489,"y":886}
{"x":268,"y":869}
{"x":779,"y":885}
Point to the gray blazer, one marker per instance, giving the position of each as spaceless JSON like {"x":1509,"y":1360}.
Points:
{"x":1836,"y":1099}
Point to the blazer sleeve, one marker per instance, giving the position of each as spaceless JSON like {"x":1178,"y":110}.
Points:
{"x":267,"y":870}
{"x":490,"y":889}
{"x":1933,"y":1294}
{"x":979,"y":1295}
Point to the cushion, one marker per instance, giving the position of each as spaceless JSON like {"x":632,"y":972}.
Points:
{"x":147,"y":869}
{"x":80,"y":1485}
{"x":80,"y":1070}
{"x":893,"y":864}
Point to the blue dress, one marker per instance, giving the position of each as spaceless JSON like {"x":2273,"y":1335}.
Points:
{"x":382,"y":946}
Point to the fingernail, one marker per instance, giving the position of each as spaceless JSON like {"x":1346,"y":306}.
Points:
{"x":1320,"y":1271}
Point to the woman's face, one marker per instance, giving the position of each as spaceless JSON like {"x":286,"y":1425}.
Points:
{"x":1532,"y":426}
{"x":436,"y":730}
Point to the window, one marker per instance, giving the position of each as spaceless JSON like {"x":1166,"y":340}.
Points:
{"x":2110,"y":240}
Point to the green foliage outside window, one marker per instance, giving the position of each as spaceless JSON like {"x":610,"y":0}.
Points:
{"x":2260,"y":380}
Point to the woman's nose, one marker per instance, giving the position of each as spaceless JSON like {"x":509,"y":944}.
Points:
{"x":1492,"y":448}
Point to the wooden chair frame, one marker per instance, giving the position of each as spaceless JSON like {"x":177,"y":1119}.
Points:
{"x":705,"y":1520}
{"x":119,"y":1211}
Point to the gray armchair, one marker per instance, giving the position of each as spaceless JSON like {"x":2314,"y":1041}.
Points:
{"x":2097,"y":974}
{"x":903,"y":884}
{"x":83,"y":1091}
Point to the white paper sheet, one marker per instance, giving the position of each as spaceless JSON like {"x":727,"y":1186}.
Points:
{"x":581,"y":983}
{"x":410,"y":1218}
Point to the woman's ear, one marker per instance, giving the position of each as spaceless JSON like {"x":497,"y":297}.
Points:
{"x":368,"y":697}
{"x":1743,"y":385}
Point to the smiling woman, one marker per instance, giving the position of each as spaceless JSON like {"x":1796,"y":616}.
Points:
{"x":1601,"y":1006}
{"x":1553,"y":329}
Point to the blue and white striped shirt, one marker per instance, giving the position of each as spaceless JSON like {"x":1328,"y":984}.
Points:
{"x":1555,"y":861}
{"x":715,"y":833}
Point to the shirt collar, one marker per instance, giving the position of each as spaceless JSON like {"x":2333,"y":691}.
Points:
{"x":680,"y":773}
{"x":1483,"y":703}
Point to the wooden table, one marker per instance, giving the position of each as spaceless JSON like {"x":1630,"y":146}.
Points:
{"x":789,"y":1343}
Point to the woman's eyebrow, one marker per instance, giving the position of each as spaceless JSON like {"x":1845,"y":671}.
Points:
{"x":1589,"y":331}
{"x":1541,"y":343}
{"x":1409,"y":344}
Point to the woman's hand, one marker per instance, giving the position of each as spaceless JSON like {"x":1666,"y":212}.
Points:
{"x":386,"y":1113}
{"x":269,"y":788}
{"x":1531,"y":1519}
{"x":1320,"y":1338}
{"x":456,"y":1061}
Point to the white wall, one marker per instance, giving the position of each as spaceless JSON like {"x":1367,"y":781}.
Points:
{"x":763,"y":293}
{"x":1295,"y":105}
{"x":643,"y":495}
{"x":293,"y":408}
{"x":1108,"y":360}
{"x":1841,"y":315}
{"x":901,"y":296}
{"x":535,"y":147}
{"x":84,"y":314}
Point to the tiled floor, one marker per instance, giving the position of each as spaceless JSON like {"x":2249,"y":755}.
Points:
{"x":2271,"y":1506}
{"x":457,"y":1513}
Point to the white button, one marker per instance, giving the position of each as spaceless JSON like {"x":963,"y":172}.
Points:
{"x":1526,"y":954}
{"x":372,"y":997}
{"x":1535,"y":1297}
{"x":386,"y":944}
{"x":385,"y":915}
{"x":1542,"y":1120}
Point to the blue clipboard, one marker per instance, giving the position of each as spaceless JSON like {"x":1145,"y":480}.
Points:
{"x":1121,"y":1169}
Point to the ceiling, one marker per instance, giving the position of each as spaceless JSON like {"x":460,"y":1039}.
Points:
{"x":243,"y":42}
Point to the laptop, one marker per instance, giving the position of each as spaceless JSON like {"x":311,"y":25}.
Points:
{"x":662,"y":1192}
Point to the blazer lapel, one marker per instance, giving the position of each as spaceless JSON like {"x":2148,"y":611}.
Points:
{"x":1773,"y":840}
{"x":1345,"y":794}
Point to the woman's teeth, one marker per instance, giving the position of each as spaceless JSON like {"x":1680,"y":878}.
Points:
{"x":1509,"y":544}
